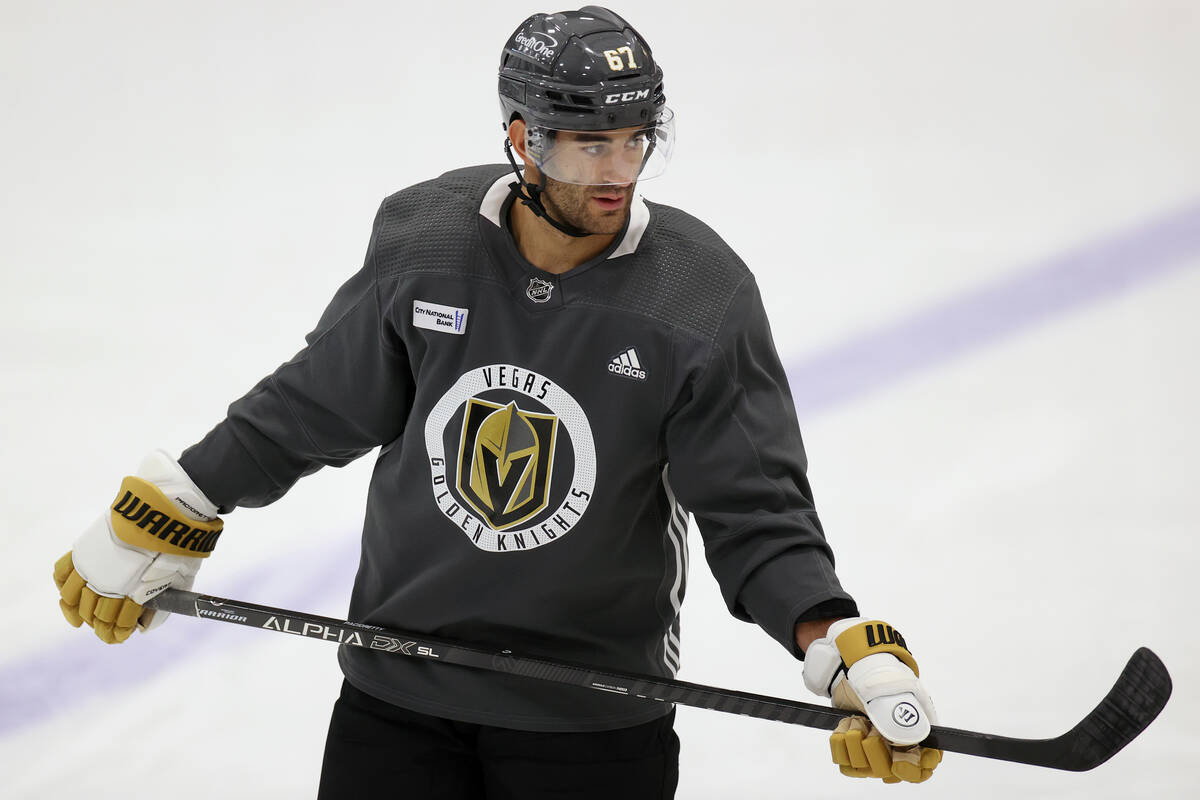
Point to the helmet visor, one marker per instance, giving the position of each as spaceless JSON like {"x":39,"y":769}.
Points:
{"x":603,"y":158}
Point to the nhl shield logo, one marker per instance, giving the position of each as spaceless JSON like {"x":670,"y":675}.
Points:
{"x":539,"y":290}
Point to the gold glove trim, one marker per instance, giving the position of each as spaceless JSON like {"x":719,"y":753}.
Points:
{"x":861,"y":752}
{"x":112,"y":618}
{"x":145,"y":517}
{"x":871,"y":637}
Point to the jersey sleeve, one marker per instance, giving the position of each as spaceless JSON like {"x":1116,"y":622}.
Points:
{"x":348,"y":391}
{"x":737,"y":463}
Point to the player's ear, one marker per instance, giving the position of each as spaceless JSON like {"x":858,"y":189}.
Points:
{"x":516,"y":135}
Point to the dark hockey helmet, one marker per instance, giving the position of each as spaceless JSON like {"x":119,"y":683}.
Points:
{"x":584,"y":70}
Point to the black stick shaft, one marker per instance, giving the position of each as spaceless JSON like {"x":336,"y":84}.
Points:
{"x":1130,"y":706}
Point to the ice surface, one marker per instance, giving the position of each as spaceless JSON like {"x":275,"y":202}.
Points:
{"x":185,"y":186}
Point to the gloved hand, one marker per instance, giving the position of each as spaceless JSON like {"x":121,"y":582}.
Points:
{"x":865,"y":665}
{"x":155,"y":536}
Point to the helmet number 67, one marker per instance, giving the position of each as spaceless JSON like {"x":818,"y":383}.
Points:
{"x":614,"y":58}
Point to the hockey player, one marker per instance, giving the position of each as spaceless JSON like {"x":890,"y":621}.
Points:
{"x":555,"y":369}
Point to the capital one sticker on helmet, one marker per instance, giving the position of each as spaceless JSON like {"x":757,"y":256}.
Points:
{"x":512,"y":459}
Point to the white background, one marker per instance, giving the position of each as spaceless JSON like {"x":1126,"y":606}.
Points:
{"x":184,"y":185}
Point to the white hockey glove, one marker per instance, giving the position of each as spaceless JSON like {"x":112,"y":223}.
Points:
{"x":155,"y":536}
{"x":865,"y":665}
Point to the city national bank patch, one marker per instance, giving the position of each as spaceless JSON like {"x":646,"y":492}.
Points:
{"x":437,"y":317}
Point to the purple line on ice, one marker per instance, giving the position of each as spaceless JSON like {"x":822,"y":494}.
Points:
{"x":43,"y":684}
{"x":60,"y":678}
{"x":880,"y":358}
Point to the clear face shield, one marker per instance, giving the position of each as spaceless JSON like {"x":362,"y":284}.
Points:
{"x":603,"y":158}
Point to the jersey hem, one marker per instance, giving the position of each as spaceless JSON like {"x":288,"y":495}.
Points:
{"x":520,"y":722}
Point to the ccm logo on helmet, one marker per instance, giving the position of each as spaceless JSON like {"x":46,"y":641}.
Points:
{"x":625,"y":97}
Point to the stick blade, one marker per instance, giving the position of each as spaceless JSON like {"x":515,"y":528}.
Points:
{"x":1129,"y":707}
{"x":1134,"y":701}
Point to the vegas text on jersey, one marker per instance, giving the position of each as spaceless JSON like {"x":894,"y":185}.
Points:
{"x":512,"y":459}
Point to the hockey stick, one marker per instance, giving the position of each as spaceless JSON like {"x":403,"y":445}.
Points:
{"x":1132,"y":703}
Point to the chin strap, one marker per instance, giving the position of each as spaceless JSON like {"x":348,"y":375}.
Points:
{"x":531,"y":197}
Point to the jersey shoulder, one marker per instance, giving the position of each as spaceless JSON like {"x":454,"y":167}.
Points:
{"x":432,"y":227}
{"x":682,"y":274}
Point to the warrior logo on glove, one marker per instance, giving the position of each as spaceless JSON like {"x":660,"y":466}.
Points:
{"x":141,"y":524}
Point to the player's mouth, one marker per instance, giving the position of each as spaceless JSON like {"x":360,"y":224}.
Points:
{"x":609,"y":201}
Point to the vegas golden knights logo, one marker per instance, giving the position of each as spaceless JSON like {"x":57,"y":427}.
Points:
{"x":512,"y":460}
{"x":505,"y":459}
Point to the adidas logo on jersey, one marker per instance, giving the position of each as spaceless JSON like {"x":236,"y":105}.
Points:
{"x":628,"y":365}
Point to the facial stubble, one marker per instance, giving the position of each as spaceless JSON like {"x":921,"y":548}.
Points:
{"x":571,"y":203}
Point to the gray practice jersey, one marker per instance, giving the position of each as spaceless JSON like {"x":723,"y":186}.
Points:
{"x":542,"y":436}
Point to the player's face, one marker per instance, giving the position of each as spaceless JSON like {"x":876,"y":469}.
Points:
{"x":590,"y":177}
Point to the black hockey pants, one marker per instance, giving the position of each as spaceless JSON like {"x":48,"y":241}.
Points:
{"x":376,"y":750}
